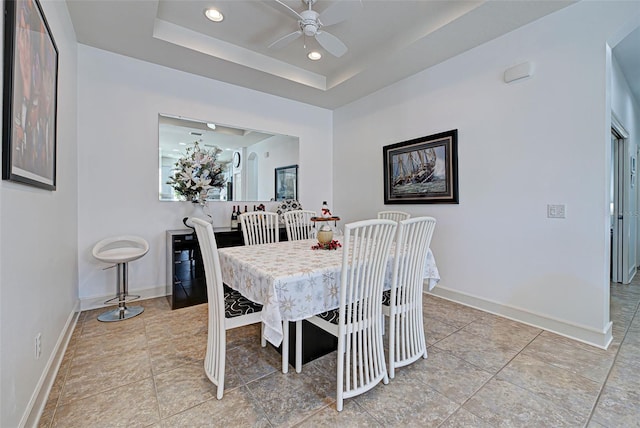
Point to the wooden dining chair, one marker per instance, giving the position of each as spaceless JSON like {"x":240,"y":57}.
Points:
{"x":357,"y":322}
{"x":227,"y":308}
{"x":402,"y":304}
{"x":299,"y":224}
{"x":394,"y":215}
{"x":259,"y":227}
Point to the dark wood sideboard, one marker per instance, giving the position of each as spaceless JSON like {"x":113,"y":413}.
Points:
{"x":186,"y":284}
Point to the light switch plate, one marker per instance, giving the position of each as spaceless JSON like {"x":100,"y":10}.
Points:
{"x":556,"y":211}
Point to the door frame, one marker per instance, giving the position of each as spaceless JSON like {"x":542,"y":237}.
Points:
{"x":624,"y":240}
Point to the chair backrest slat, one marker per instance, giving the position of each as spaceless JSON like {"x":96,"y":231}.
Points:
{"x":394,"y":215}
{"x":260,"y":227}
{"x":299,"y":224}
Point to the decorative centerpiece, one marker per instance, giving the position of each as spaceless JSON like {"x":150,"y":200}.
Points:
{"x":195,"y":173}
{"x":325,"y":234}
{"x":331,"y":245}
{"x":325,"y":231}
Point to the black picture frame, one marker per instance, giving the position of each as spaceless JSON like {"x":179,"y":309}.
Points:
{"x":286,"y":183}
{"x":30,"y":96}
{"x":423,"y":170}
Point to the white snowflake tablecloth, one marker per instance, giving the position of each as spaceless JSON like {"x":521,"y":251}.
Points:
{"x":292,"y":281}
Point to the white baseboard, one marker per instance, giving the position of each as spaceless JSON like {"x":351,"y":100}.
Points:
{"x":39,"y":398}
{"x":588,"y":335}
{"x":87,"y":303}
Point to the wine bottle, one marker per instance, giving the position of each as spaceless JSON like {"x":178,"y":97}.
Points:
{"x":234,"y":218}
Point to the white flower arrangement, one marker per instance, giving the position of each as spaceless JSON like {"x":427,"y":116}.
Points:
{"x":196,"y":173}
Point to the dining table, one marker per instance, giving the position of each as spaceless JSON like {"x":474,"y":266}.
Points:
{"x":293,"y":281}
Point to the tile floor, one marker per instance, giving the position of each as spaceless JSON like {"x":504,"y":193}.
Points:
{"x":482,"y":371}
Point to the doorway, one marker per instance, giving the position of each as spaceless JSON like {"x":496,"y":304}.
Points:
{"x":623,"y":209}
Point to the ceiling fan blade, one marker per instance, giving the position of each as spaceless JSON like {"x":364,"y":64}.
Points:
{"x":339,"y":12}
{"x":331,"y":43}
{"x":296,"y":14}
{"x":285,"y":40}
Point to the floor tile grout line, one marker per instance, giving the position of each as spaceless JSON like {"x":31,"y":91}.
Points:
{"x":153,"y":377}
{"x":460,"y":406}
{"x":493,"y":377}
{"x":99,"y":392}
{"x":615,"y":358}
{"x":72,"y":352}
{"x":64,"y":382}
{"x":258,"y":403}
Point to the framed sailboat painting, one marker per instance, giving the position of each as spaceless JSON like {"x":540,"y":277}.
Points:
{"x":422,"y":171}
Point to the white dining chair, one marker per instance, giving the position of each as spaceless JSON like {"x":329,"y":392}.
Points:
{"x":394,"y":215}
{"x":357,"y":322}
{"x":227,"y":308}
{"x":402,"y":304}
{"x":259,"y":227}
{"x":299,"y":224}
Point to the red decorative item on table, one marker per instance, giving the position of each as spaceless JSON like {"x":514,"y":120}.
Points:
{"x":332,"y":245}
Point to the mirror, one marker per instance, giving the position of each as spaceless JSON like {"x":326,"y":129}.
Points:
{"x":249,"y":158}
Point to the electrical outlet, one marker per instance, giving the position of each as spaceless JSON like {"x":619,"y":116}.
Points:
{"x":38,"y":345}
{"x":556,"y":211}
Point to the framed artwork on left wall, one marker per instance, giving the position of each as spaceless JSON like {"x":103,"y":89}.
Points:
{"x":30,"y":96}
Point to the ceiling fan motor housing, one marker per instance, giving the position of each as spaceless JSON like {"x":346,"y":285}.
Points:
{"x":309,"y":23}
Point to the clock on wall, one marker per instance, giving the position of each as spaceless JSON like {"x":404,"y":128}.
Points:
{"x":236,"y":159}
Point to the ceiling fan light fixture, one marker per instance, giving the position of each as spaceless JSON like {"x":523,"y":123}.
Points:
{"x":214,"y":15}
{"x":314,"y":55}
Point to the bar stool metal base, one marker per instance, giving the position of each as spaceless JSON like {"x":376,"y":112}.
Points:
{"x":119,"y":314}
{"x":122,"y":312}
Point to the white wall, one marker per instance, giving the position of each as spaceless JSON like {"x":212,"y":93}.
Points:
{"x":522,"y":146}
{"x":38,"y":253}
{"x":119,"y":101}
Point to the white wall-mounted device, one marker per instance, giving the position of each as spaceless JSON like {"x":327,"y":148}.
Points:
{"x":517,"y":72}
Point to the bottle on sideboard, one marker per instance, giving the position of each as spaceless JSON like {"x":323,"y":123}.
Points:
{"x":234,"y":218}
{"x":238,"y":212}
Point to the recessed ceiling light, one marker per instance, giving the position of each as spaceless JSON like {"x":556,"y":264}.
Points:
{"x":214,"y":15}
{"x":314,"y":56}
{"x":183,"y":144}
{"x":211,"y":125}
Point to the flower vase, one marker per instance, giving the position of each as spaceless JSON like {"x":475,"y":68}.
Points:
{"x":197,"y":211}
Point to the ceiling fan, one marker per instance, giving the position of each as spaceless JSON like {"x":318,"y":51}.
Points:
{"x":311,"y":23}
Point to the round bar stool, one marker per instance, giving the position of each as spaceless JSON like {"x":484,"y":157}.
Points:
{"x":121,"y":250}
